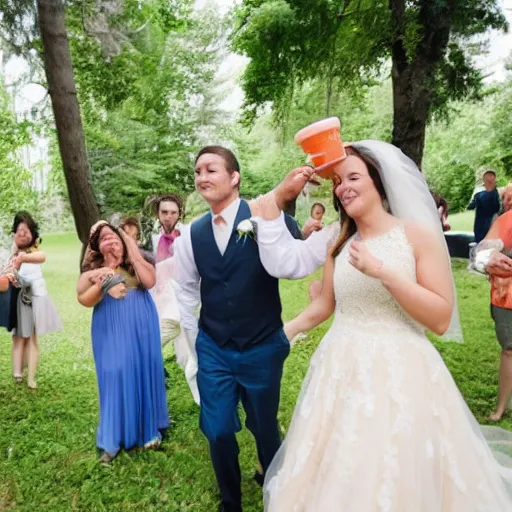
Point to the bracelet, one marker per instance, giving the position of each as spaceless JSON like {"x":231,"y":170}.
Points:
{"x":138,"y":260}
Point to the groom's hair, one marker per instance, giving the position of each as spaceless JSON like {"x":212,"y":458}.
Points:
{"x":229,"y":158}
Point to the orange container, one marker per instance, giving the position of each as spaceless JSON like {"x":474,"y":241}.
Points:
{"x":322,"y":142}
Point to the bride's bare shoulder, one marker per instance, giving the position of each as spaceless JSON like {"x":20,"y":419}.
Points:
{"x":421,"y":235}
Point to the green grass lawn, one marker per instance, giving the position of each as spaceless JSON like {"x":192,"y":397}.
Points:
{"x":48,"y":460}
{"x":462,"y":221}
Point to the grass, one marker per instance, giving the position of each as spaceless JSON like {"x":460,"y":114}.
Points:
{"x":48,"y":460}
{"x":462,"y":221}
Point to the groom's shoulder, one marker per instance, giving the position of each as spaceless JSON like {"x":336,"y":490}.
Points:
{"x":200,"y":222}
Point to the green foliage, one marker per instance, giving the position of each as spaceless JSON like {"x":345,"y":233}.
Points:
{"x":16,"y":191}
{"x":18,"y":27}
{"x":470,"y":135}
{"x":144,"y":74}
{"x":131,"y":160}
{"x":267,"y":153}
{"x":476,"y":135}
{"x":146,"y":106}
{"x":346,"y":44}
{"x":290,"y":43}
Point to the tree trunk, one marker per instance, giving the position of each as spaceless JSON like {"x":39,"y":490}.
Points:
{"x":70,"y":134}
{"x":328,"y":101}
{"x":411,"y":103}
{"x":413,"y":76}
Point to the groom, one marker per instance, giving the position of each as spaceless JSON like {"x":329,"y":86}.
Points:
{"x":241,"y":346}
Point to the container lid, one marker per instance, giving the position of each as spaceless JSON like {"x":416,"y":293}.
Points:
{"x":318,"y":127}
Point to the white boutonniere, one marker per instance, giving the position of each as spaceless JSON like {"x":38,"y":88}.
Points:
{"x":245,"y":229}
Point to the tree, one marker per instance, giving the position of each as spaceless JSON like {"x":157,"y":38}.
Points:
{"x":141,"y":135}
{"x":142,"y":72}
{"x":37,"y":30}
{"x":341,"y":43}
{"x":70,"y":134}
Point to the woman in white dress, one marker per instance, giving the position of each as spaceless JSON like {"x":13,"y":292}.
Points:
{"x":380,"y":424}
{"x":36,"y":313}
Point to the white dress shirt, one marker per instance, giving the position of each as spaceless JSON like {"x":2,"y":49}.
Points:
{"x":187,"y":285}
{"x":285,"y":257}
{"x":222,"y":232}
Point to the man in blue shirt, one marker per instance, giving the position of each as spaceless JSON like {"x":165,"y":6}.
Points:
{"x":486,"y":205}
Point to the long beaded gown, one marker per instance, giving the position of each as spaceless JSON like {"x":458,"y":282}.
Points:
{"x":380,"y":425}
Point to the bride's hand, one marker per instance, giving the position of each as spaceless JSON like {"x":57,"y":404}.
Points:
{"x":361,"y":258}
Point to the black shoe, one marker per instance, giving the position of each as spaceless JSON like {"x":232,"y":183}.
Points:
{"x":259,"y":478}
{"x":227,"y":508}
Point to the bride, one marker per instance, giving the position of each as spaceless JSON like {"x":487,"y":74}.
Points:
{"x":380,"y":425}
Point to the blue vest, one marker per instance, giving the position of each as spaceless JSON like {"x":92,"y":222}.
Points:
{"x":240,"y":301}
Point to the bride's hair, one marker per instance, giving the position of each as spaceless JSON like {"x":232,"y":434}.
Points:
{"x":348,"y":226}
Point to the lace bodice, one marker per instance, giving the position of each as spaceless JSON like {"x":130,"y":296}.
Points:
{"x":363,"y":299}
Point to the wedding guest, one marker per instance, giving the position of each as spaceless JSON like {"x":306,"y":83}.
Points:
{"x":131,"y":226}
{"x":168,"y":209}
{"x":126,"y":343}
{"x":315,"y":221}
{"x":36,"y":313}
{"x":493,"y":256}
{"x":486,"y":204}
{"x":442,"y":209}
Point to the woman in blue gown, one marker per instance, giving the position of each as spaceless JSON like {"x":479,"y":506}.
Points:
{"x":126,"y":343}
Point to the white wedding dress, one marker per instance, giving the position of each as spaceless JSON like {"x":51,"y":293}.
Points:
{"x":380,"y":425}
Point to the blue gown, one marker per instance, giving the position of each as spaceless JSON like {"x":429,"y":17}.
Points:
{"x":130,"y":371}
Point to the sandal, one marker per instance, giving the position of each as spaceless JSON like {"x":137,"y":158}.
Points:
{"x":153,"y":444}
{"x":106,"y":458}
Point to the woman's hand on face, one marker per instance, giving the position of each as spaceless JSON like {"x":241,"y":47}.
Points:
{"x":118,"y":291}
{"x":361,"y":258}
{"x":131,"y":244}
